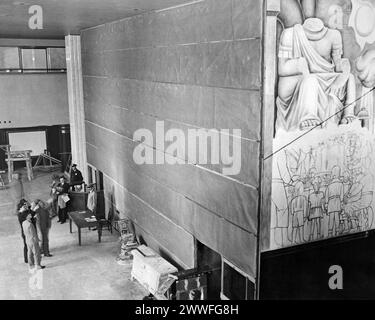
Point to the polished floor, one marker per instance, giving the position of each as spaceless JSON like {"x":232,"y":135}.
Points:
{"x":86,"y":272}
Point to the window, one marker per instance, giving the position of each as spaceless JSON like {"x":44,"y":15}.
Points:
{"x":236,"y":285}
{"x":96,"y":176}
{"x":99,"y":180}
{"x":9,"y":58}
{"x":89,"y":170}
{"x":32,"y":60}
{"x":56,"y":59}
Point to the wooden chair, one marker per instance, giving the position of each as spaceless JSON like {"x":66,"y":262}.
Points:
{"x":106,"y":222}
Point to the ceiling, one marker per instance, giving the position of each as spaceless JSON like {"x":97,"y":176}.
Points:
{"x":62,"y":17}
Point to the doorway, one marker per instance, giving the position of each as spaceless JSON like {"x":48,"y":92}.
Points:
{"x":206,"y":257}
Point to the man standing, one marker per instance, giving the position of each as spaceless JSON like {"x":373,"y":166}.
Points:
{"x":298,"y":205}
{"x":32,"y":240}
{"x":76,"y":177}
{"x":23,"y":211}
{"x":62,"y":190}
{"x":53,"y":194}
{"x":43,"y":223}
{"x":316,"y":208}
{"x":334,"y":199}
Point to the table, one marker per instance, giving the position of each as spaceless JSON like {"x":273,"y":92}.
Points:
{"x":78,"y":217}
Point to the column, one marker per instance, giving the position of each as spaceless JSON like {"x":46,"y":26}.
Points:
{"x":76,"y":106}
{"x":268,"y":116}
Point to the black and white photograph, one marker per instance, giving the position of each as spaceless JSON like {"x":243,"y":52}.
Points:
{"x":192,"y":153}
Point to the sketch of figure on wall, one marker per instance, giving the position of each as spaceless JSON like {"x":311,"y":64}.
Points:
{"x":295,"y":162}
{"x":326,"y":61}
{"x":311,"y":202}
{"x":352,"y":203}
{"x":323,"y":179}
{"x":334,"y":198}
{"x":299,"y":209}
{"x":315,"y":82}
{"x":316,"y":209}
{"x":281,"y":209}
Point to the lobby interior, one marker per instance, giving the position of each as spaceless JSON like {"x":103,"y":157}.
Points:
{"x":77,"y":79}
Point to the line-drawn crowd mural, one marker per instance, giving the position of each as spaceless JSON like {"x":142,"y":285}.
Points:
{"x":324,"y":182}
{"x":324,"y":189}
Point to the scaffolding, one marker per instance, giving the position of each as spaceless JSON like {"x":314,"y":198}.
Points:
{"x":46,"y":162}
{"x":14,"y":156}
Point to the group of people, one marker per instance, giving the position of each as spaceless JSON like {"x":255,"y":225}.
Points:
{"x":35,"y":217}
{"x":59,"y":192}
{"x":342,"y":200}
{"x":35,"y":222}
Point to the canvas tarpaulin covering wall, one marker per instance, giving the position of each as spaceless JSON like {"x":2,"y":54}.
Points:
{"x":196,"y":66}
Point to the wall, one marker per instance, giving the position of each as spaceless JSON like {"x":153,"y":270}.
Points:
{"x":30,"y":100}
{"x":195,"y":66}
{"x":323,"y":168}
{"x":9,"y":42}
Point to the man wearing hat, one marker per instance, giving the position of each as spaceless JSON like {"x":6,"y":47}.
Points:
{"x":76,"y":177}
{"x":62,"y":190}
{"x":23,"y":210}
{"x":43,"y":225}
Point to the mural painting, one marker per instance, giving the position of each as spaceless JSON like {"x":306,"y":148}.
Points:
{"x":324,"y":145}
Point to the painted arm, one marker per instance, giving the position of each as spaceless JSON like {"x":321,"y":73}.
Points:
{"x":293,"y":67}
{"x":341,"y":65}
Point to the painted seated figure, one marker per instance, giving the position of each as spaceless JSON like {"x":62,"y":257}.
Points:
{"x":315,"y":82}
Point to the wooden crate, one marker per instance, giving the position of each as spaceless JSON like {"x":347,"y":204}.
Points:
{"x":151,"y":270}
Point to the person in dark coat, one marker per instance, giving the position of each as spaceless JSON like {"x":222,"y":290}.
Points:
{"x":23,"y":210}
{"x":53,"y":194}
{"x":76,"y":177}
{"x":62,"y":190}
{"x":43,"y":225}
